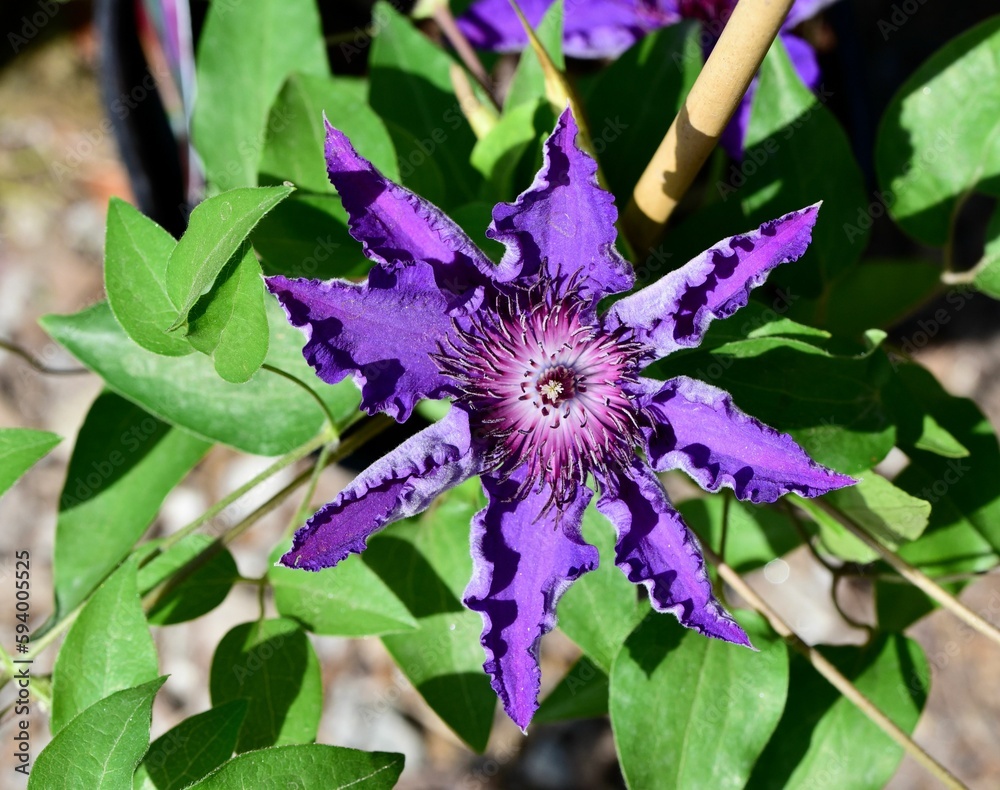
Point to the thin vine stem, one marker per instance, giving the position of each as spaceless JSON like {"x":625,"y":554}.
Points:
{"x":833,"y":675}
{"x":916,"y":577}
{"x":446,"y":22}
{"x":303,"y":510}
{"x":312,"y":393}
{"x":35,"y":363}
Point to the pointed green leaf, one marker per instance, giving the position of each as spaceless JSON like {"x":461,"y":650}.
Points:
{"x":313,"y":765}
{"x":601,"y":608}
{"x":411,"y":88}
{"x":987,"y":277}
{"x":197,"y":594}
{"x":266,"y":416}
{"x":889,"y":514}
{"x":245,"y":52}
{"x":136,"y":251}
{"x":100,"y":748}
{"x":20,"y":449}
{"x":217,"y":228}
{"x":124,"y":464}
{"x":781,"y":171}
{"x":109,"y":648}
{"x":229,"y":323}
{"x":581,"y":694}
{"x":938,"y":138}
{"x":191,"y":750}
{"x":272,"y":664}
{"x":350,"y":600}
{"x":497,"y":154}
{"x":688,"y":711}
{"x":824,"y":740}
{"x":295,"y":146}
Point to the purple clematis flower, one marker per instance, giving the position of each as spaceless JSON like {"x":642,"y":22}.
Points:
{"x":606,"y":28}
{"x":547,"y":394}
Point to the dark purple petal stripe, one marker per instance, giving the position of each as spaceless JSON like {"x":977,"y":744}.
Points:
{"x":655,"y":548}
{"x":675,"y":311}
{"x":398,"y":485}
{"x":395,"y":226}
{"x":564,"y":224}
{"x":523,"y":561}
{"x":698,"y":429}
{"x":380,"y":332}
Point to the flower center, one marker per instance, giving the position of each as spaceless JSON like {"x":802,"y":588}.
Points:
{"x":545,"y":388}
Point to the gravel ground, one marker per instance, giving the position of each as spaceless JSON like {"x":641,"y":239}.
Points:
{"x":51,"y":238}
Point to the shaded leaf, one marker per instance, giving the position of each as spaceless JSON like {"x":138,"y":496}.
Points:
{"x":581,"y":694}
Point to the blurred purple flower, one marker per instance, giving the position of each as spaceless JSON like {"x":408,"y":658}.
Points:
{"x":548,"y":394}
{"x":606,"y":28}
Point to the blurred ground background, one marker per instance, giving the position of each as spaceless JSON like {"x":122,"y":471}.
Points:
{"x":57,"y":170}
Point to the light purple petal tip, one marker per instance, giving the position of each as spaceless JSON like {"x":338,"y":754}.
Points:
{"x":805,"y":9}
{"x":698,"y":429}
{"x":398,"y":485}
{"x":564,"y":224}
{"x":397,"y":227}
{"x":380,"y":332}
{"x":803,"y":58}
{"x":676,"y":310}
{"x":592,"y":29}
{"x":523,"y":561}
{"x":655,"y":548}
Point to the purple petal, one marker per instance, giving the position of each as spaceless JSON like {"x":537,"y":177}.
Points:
{"x":399,"y":485}
{"x":523,"y":560}
{"x":803,"y":59}
{"x":564,"y":224}
{"x":592,"y":29}
{"x":655,"y":548}
{"x":396,"y":226}
{"x":736,"y":130}
{"x":698,"y":429}
{"x":380,"y":332}
{"x":805,"y":9}
{"x":675,"y":311}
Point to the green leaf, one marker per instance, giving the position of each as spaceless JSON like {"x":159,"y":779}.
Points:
{"x":306,"y":236}
{"x":350,"y":600}
{"x":314,"y":765}
{"x":109,"y":648}
{"x":426,"y":562}
{"x":266,"y":416}
{"x":935,"y":439}
{"x":20,"y":449}
{"x":937,"y":139}
{"x":136,"y":251}
{"x":192,"y":749}
{"x":217,"y":228}
{"x":295,"y":147}
{"x":100,"y":748}
{"x":581,"y":694}
{"x":626,"y":126}
{"x":197,"y":594}
{"x":694,"y":712}
{"x":796,"y":154}
{"x":755,"y":535}
{"x":601,"y":608}
{"x":824,"y":740}
{"x":987,"y":277}
{"x":877,"y":293}
{"x":418,"y":168}
{"x":411,"y":88}
{"x":123,"y":466}
{"x":885,"y":512}
{"x":272,"y":664}
{"x":245,"y":53}
{"x":528,"y":84}
{"x":229,"y":323}
{"x":497,"y":154}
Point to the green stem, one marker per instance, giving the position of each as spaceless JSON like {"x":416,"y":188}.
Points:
{"x":286,"y":460}
{"x":312,"y":393}
{"x":304,"y":510}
